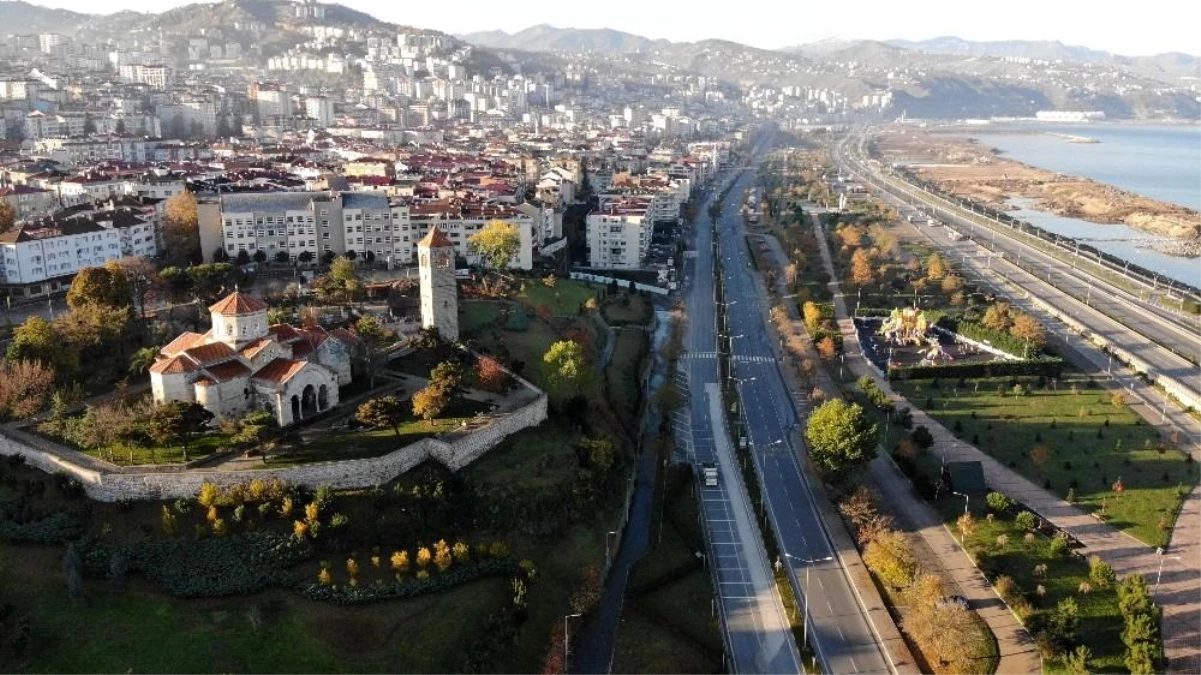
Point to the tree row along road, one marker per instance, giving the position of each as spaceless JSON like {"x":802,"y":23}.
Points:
{"x":840,"y":631}
{"x":1095,"y":304}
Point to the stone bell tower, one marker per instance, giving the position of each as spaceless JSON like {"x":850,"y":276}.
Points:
{"x":439,"y":288}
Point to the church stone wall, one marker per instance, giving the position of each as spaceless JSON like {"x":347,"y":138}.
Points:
{"x":109,"y":483}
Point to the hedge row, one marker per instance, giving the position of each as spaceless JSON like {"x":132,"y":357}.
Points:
{"x":998,"y":339}
{"x":235,"y":565}
{"x":1047,"y":366}
{"x":55,"y":529}
{"x":437,"y":583}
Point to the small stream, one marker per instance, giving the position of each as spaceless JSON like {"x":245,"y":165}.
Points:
{"x":592,"y":647}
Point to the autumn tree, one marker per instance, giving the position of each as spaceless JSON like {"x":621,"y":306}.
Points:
{"x":430,"y":402}
{"x":812,"y":314}
{"x":841,"y":437}
{"x":827,"y":348}
{"x":863,"y":272}
{"x":945,"y":631}
{"x":8,"y":216}
{"x":936,"y":267}
{"x":176,"y":422}
{"x":891,"y":558}
{"x":1026,"y":327}
{"x":181,"y":230}
{"x":490,"y":375}
{"x":496,"y":244}
{"x":384,"y":412}
{"x":448,"y":376}
{"x":998,"y":317}
{"x":141,"y":276}
{"x":99,"y":285}
{"x":25,"y":388}
{"x":565,"y":369}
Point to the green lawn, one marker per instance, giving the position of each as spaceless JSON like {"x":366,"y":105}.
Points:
{"x":622,"y":374}
{"x":129,"y":455}
{"x":631,"y":309}
{"x":1100,"y":619}
{"x":564,"y":299}
{"x":130,"y":627}
{"x":339,"y":445}
{"x":474,"y":315}
{"x":526,"y":346}
{"x":667,"y":625}
{"x":1090,"y":445}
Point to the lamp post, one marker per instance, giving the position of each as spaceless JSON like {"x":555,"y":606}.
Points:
{"x":610,"y":534}
{"x":808,"y":562}
{"x":966,"y":499}
{"x":565,"y":638}
{"x":1159,"y":575}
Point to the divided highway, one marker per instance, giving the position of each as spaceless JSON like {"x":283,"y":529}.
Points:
{"x":756,"y":631}
{"x":1120,"y":317}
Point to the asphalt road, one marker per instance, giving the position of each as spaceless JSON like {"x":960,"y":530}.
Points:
{"x":755,"y":627}
{"x":1118,"y":316}
{"x":840,"y":631}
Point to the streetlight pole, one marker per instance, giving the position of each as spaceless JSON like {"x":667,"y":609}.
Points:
{"x":566,"y":641}
{"x":610,"y":534}
{"x":808,"y":562}
{"x":966,"y":499}
{"x":1159,"y":575}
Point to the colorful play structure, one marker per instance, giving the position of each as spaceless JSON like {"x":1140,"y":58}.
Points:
{"x":909,"y":327}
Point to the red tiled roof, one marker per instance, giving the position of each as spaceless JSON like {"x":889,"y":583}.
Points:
{"x":237,"y":304}
{"x":213,"y":352}
{"x":174,"y":366}
{"x":302,"y":349}
{"x":279,"y":370}
{"x":204,"y":382}
{"x":224,"y":372}
{"x":254,"y":348}
{"x":345,"y":336}
{"x":435,"y":239}
{"x":182,"y":343}
{"x":284,"y":332}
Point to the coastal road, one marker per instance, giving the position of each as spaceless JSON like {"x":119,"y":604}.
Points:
{"x":840,"y":631}
{"x":756,"y":630}
{"x":1106,"y":311}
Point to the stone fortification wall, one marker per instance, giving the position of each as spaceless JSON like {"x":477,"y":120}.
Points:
{"x":109,"y":483}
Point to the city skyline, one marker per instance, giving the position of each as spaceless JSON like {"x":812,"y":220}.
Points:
{"x":1109,"y":31}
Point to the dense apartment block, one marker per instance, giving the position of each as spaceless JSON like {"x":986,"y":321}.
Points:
{"x":289,"y":225}
{"x":41,"y":256}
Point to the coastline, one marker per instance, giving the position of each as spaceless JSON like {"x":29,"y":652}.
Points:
{"x":966,"y":166}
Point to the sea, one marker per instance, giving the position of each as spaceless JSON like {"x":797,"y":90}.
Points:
{"x":1161,"y":162}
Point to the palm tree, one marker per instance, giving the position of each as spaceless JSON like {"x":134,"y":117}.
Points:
{"x":142,"y":360}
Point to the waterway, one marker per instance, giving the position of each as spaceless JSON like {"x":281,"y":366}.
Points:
{"x":1179,"y":268}
{"x":1161,"y":162}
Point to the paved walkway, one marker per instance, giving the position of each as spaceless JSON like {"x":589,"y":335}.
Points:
{"x":1014,"y":643}
{"x":1179,"y":592}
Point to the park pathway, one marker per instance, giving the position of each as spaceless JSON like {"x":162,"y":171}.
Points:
{"x":1179,"y":589}
{"x":918,"y":519}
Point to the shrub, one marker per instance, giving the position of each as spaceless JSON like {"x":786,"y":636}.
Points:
{"x":1007,"y":588}
{"x":922,"y":436}
{"x":1026,"y":520}
{"x":1100,"y":573}
{"x":998,"y":502}
{"x":1059,"y":545}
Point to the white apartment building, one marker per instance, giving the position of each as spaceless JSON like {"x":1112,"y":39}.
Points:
{"x":156,"y":76}
{"x":367,"y":223}
{"x":92,"y":149}
{"x":320,"y":109}
{"x":619,"y":234}
{"x":40,"y":258}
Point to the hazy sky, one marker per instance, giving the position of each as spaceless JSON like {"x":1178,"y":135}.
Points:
{"x":1131,"y":28}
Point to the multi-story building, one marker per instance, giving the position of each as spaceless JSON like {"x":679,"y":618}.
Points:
{"x":365,"y":223}
{"x":28,"y":201}
{"x":619,"y":234}
{"x":40,"y":257}
{"x":92,"y":149}
{"x":320,"y":109}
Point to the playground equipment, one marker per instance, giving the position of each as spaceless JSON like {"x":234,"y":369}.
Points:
{"x":935,"y":353}
{"x":905,"y":327}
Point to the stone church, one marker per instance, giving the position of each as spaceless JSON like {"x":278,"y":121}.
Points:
{"x":243,"y":364}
